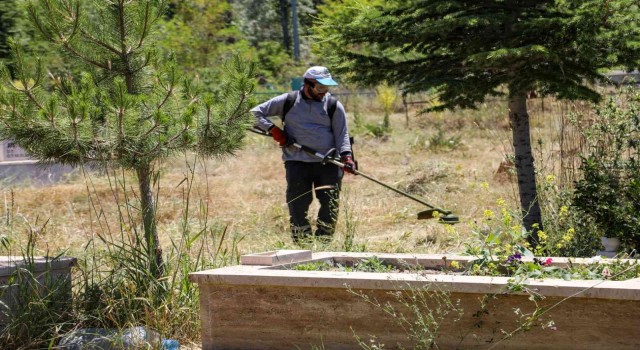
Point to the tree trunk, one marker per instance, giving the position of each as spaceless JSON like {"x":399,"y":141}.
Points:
{"x":296,"y":39}
{"x":154,"y":251}
{"x":284,"y":22}
{"x":532,"y":216}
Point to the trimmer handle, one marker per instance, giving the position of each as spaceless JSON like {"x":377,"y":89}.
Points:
{"x":326,"y":158}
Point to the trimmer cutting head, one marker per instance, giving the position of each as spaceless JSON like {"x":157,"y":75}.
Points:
{"x":443,"y":216}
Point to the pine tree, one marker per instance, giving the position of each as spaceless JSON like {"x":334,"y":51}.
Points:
{"x":468,"y":50}
{"x":7,"y":21}
{"x":127,"y":108}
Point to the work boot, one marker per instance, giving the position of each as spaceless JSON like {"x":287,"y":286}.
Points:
{"x":300,"y":234}
{"x":324,"y":229}
{"x":323,"y":235}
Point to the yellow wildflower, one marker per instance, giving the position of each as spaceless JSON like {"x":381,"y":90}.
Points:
{"x":488,"y":214}
{"x":455,"y":265}
{"x":550,"y":179}
{"x":542,"y":237}
{"x":449,"y":229}
{"x":568,"y":236}
{"x":506,"y":218}
{"x":564,"y":210}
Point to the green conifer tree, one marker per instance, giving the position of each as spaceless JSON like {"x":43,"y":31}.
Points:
{"x":468,"y":50}
{"x":7,"y":13}
{"x":127,"y":109}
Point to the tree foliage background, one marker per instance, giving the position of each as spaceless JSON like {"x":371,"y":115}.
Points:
{"x":200,"y":33}
{"x":133,"y":103}
{"x":465,"y":51}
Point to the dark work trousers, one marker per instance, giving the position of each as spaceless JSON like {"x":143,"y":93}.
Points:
{"x":302,"y":179}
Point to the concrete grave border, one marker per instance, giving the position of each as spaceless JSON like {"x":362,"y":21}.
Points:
{"x":274,"y":307}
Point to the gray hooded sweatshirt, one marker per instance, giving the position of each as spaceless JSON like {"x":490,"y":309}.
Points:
{"x":308,"y":122}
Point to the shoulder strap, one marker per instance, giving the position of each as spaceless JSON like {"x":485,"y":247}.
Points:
{"x":288,"y":103}
{"x":291,"y":99}
{"x":333,"y":103}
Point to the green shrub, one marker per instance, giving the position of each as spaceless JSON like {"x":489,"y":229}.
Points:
{"x":609,"y":192}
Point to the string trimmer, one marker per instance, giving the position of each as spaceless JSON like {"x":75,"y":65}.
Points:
{"x":443,"y":216}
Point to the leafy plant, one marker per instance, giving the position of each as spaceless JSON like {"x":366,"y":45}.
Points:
{"x":314,"y":266}
{"x":386,"y":97}
{"x":376,"y":130}
{"x":609,"y":192}
{"x":373,"y":264}
{"x":500,"y":249}
{"x":568,"y":231}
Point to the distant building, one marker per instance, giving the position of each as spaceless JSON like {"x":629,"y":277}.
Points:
{"x":17,"y":166}
{"x":622,"y":77}
{"x":11,"y":152}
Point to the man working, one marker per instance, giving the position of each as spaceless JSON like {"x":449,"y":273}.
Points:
{"x":311,"y":117}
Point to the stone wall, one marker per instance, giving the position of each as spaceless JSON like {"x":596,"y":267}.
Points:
{"x":275,"y":317}
{"x":20,"y":279}
{"x":274,"y":306}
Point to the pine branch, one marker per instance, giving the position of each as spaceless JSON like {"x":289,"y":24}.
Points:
{"x":99,"y":42}
{"x":145,"y":25}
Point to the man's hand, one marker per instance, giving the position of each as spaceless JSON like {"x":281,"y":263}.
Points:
{"x":279,"y":135}
{"x":349,"y":164}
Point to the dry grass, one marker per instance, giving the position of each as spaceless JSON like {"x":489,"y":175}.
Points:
{"x":246,"y":192}
{"x":239,"y":202}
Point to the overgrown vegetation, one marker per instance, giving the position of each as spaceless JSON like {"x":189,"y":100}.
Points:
{"x":112,"y":285}
{"x":207,"y":217}
{"x":420,"y":312}
{"x":35,"y":304}
{"x":126,"y":109}
{"x":202,"y":233}
{"x":608,"y":195}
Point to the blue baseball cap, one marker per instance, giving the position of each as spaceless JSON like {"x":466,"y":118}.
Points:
{"x":321,"y":75}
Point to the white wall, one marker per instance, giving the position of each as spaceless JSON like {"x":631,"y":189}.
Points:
{"x":9,"y":151}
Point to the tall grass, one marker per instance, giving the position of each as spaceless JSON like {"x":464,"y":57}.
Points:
{"x":112,"y":286}
{"x":35,"y":304}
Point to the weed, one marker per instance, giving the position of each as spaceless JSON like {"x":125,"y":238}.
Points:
{"x":386,"y":97}
{"x":420,"y":312}
{"x":350,"y":223}
{"x":32,"y":294}
{"x":314,"y":266}
{"x":441,"y":141}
